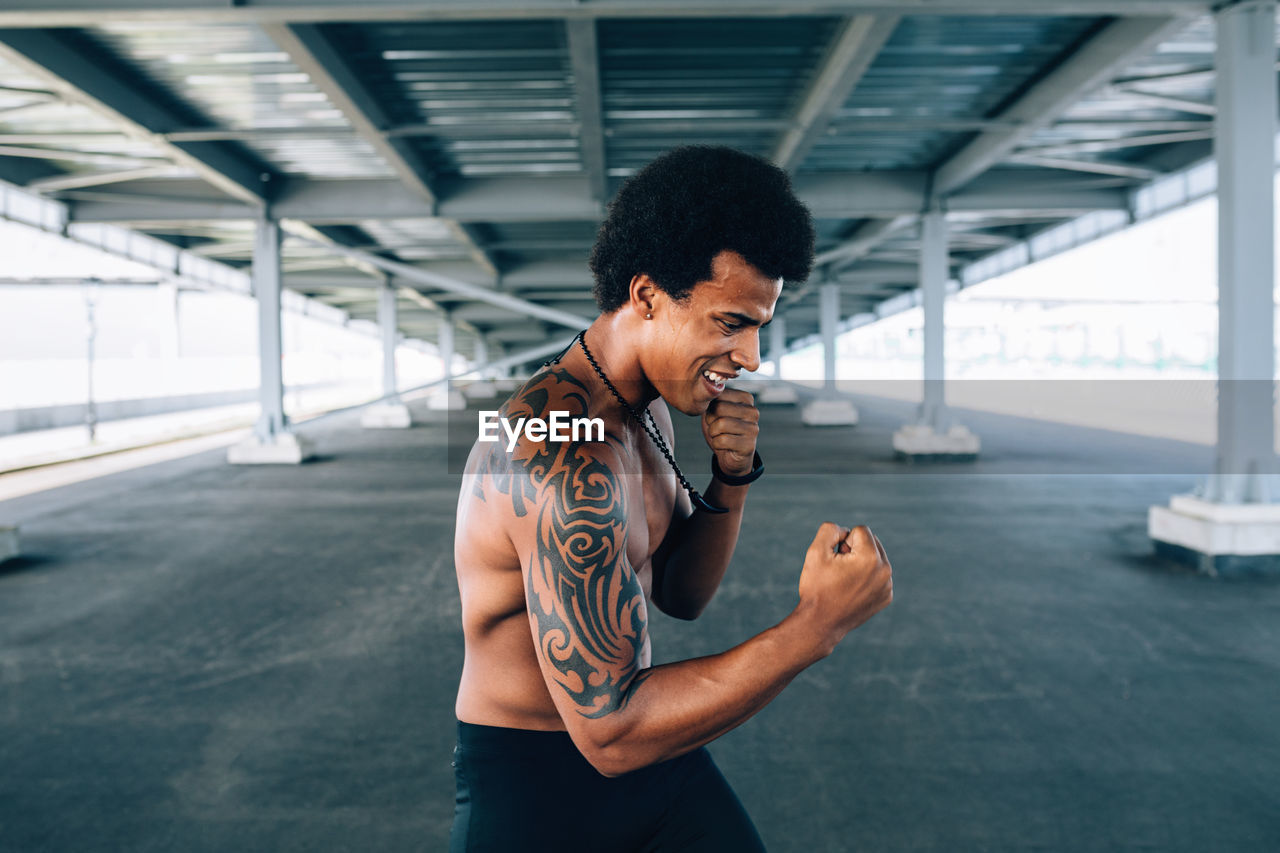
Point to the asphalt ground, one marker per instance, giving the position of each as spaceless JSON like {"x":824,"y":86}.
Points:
{"x":201,"y":657}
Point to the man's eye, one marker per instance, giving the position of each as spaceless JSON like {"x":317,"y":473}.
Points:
{"x":730,"y":328}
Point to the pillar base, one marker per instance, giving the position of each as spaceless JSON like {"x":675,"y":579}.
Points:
{"x":1217,"y":539}
{"x":447,"y":401}
{"x":386,"y":416}
{"x":777,"y":394}
{"x":8,"y":543}
{"x":829,"y":412}
{"x":285,"y":449}
{"x":480,"y":391}
{"x":920,"y":443}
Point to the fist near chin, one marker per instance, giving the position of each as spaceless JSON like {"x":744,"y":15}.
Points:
{"x":730,"y":425}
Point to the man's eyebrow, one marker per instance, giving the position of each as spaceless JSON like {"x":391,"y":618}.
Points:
{"x":746,"y":320}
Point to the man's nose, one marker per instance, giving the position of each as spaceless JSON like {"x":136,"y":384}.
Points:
{"x":747,"y":355}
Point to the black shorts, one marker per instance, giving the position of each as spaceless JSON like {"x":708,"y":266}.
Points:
{"x":521,"y":790}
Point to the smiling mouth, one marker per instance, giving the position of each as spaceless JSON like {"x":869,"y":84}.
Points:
{"x":716,"y":380}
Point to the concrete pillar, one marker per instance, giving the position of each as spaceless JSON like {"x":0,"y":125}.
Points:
{"x":829,"y":409}
{"x":933,"y":290}
{"x":482,"y":388}
{"x":91,"y":406}
{"x":777,"y":343}
{"x":775,"y":393}
{"x":391,"y":412}
{"x":271,"y":442}
{"x":445,"y":345}
{"x":447,"y":398}
{"x":388,"y":324}
{"x":503,"y":381}
{"x":828,"y":319}
{"x":500,"y":352}
{"x":1232,"y":524}
{"x":933,"y":437}
{"x":266,"y":289}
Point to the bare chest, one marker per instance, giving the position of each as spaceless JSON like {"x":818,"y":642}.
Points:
{"x":651,"y":489}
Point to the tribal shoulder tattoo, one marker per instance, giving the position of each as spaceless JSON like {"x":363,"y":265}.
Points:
{"x":586,"y":605}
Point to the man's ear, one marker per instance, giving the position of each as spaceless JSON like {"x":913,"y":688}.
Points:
{"x":643,"y":294}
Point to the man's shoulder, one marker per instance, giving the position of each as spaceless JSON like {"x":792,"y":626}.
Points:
{"x":543,"y":437}
{"x":552,"y":388}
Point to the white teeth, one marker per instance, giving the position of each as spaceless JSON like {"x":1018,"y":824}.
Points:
{"x":713,"y":376}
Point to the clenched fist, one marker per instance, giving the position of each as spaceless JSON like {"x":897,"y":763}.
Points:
{"x":846,"y":580}
{"x":730,"y":425}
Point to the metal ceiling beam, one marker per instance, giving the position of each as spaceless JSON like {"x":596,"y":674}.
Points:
{"x":493,"y":315}
{"x":478,"y":293}
{"x":311,"y":51}
{"x":1097,"y":146}
{"x":1123,"y":170}
{"x":74,"y":181}
{"x":869,"y":235}
{"x":584,"y":58}
{"x":856,"y":44}
{"x":78,"y":78}
{"x":1086,"y":70}
{"x":544,"y":129}
{"x":1158,"y":99}
{"x":314,"y":55}
{"x":73,"y":13}
{"x":845,"y":195}
{"x":71,"y":155}
{"x":866,"y":238}
{"x":539,"y":276}
{"x":878,"y":272}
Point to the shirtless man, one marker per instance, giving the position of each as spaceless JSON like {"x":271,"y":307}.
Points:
{"x":568,"y":738}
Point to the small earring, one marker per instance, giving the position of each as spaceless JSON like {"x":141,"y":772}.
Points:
{"x":648,"y":316}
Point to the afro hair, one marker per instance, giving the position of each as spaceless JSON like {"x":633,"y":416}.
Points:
{"x":673,"y":217}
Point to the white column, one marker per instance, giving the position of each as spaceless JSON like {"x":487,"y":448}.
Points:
{"x":777,"y":343}
{"x":503,"y":383}
{"x":933,"y":289}
{"x":388,"y":324}
{"x":829,"y":409}
{"x":271,"y":442}
{"x":445,"y":345}
{"x":1233,"y":524}
{"x":482,"y":387}
{"x":775,"y":393}
{"x":828,"y":319}
{"x":266,"y":289}
{"x":447,"y":397}
{"x":933,"y":435}
{"x":1244,"y":147}
{"x":391,"y":412}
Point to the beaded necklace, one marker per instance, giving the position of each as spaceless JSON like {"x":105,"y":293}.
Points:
{"x":649,"y":426}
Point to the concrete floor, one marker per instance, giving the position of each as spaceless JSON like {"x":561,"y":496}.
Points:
{"x":197,"y":657}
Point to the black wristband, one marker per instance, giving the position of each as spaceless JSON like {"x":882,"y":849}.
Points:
{"x":730,"y":479}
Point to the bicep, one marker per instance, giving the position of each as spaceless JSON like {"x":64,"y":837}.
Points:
{"x":586,"y":606}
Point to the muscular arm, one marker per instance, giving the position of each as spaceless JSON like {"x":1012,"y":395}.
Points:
{"x":588,"y":617}
{"x":693,"y":558}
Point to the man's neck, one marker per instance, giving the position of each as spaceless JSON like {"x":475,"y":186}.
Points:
{"x":611,"y":341}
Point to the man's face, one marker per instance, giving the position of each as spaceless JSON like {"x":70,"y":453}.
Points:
{"x":712,"y":335}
